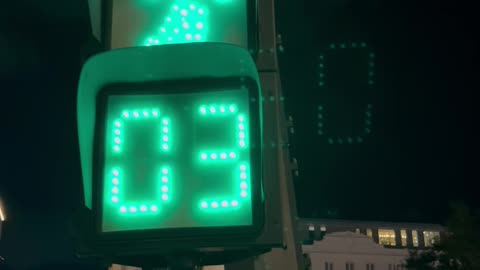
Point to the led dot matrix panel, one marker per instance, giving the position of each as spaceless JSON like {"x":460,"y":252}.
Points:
{"x":155,"y":22}
{"x":177,"y":160}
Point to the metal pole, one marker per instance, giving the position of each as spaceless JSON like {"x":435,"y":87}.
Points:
{"x":290,"y":257}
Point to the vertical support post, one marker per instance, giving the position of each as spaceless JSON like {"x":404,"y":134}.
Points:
{"x":290,"y":257}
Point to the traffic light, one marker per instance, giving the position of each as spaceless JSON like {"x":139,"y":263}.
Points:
{"x":150,"y":22}
{"x":171,"y":150}
{"x":181,"y":158}
{"x":175,"y":160}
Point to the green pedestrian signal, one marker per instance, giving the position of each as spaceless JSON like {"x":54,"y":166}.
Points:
{"x":177,"y":159}
{"x":148,"y":23}
{"x":172,"y":149}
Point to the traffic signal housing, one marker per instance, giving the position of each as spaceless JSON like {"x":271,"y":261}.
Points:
{"x":171,"y":152}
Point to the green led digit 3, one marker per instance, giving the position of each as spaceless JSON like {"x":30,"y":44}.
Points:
{"x":230,"y":156}
{"x":116,"y":174}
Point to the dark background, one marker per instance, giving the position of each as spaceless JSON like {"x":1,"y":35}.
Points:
{"x":421,"y":154}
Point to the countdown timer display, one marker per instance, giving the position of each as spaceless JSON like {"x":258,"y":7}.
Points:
{"x":178,"y":160}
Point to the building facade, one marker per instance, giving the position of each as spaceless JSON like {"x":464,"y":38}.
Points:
{"x":351,"y":245}
{"x":359,"y":245}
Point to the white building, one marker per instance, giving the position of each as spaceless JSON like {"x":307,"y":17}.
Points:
{"x":350,"y":251}
{"x":351,"y":245}
{"x":358,"y":245}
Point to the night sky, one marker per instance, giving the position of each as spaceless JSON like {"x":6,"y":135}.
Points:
{"x":421,"y":154}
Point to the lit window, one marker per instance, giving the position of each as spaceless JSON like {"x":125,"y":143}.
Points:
{"x":415,"y":238}
{"x":311,"y":228}
{"x":403,"y":234}
{"x":431,"y":238}
{"x":323,"y":228}
{"x":357,"y":230}
{"x":386,"y":237}
{"x":369,"y":233}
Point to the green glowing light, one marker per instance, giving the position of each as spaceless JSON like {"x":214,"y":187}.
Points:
{"x":240,"y":126}
{"x":186,"y":22}
{"x":209,"y":155}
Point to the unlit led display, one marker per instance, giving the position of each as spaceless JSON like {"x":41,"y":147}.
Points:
{"x":154,"y":22}
{"x":353,"y":121}
{"x":177,"y":161}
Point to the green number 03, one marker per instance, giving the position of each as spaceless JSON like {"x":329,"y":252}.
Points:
{"x":229,"y":156}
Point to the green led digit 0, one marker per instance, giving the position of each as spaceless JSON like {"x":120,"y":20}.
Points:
{"x":231,"y":156}
{"x":116,"y":173}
